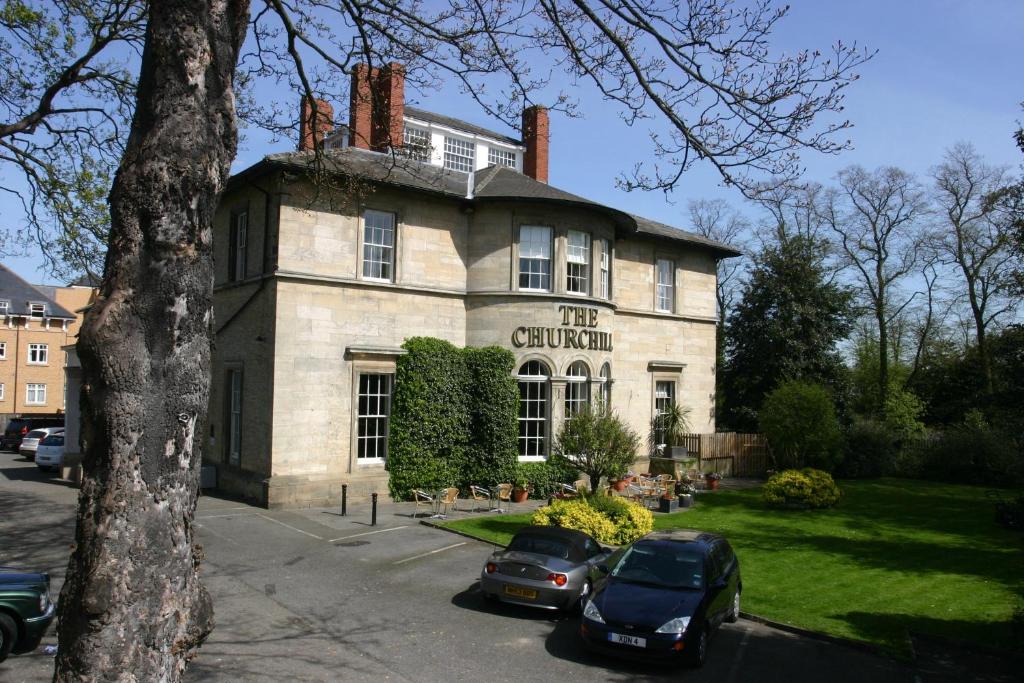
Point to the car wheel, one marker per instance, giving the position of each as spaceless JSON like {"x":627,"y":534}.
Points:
{"x":581,"y":601}
{"x":699,"y":653}
{"x":8,"y":632}
{"x":734,"y":613}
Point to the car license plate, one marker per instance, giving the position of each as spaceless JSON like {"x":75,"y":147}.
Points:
{"x":519,"y":592}
{"x":627,"y":640}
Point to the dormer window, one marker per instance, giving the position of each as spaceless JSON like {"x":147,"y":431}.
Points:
{"x":416,"y":143}
{"x":501,"y":157}
{"x":37,"y":310}
{"x":459,"y":155}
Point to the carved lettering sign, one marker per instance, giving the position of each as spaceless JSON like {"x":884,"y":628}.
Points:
{"x":568,"y":336}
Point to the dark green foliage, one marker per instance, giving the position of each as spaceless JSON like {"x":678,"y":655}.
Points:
{"x":598,"y":444}
{"x":544,"y":477}
{"x":429,"y":429}
{"x":799,"y":421}
{"x":870,"y":450}
{"x":786,"y":326}
{"x":972,"y":452}
{"x":453,"y":417}
{"x":806,"y":488}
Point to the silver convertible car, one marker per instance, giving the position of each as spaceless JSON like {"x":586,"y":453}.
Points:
{"x":543,"y":566}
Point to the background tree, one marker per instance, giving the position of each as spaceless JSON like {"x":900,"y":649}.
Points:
{"x":799,"y":420}
{"x":598,"y":444}
{"x":786,"y":326}
{"x":975,"y":237}
{"x":704,"y":73}
{"x":875,"y":218}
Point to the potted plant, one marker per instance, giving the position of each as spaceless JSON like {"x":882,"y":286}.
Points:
{"x":668,"y":429}
{"x":520,"y":489}
{"x":712,"y":478}
{"x":684,"y":491}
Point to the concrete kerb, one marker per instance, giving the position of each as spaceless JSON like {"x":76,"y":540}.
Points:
{"x":817,"y":635}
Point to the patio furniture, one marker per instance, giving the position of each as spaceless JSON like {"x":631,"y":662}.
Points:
{"x":480,"y":494}
{"x":422,"y":498}
{"x":503,"y":494}
{"x":448,"y":498}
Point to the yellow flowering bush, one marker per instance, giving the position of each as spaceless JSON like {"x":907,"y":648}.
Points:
{"x":608,"y":519}
{"x":809,"y":488}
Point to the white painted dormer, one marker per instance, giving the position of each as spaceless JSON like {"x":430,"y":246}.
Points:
{"x":457,"y":150}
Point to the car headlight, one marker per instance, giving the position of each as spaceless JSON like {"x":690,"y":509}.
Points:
{"x":590,"y":612}
{"x":677,"y":625}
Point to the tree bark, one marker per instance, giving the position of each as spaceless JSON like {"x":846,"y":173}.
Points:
{"x":133,"y":607}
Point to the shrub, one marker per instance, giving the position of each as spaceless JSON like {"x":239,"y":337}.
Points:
{"x":492,"y":398}
{"x":870,"y":450}
{"x":971,"y":452}
{"x":597,"y":443}
{"x":799,"y":421}
{"x":608,"y":519}
{"x":544,"y":477}
{"x":806,"y":488}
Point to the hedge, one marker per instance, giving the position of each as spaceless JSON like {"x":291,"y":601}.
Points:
{"x":609,"y":519}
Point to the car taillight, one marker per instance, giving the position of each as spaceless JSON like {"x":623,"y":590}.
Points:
{"x":24,"y":431}
{"x":491,"y":568}
{"x":558,"y":579}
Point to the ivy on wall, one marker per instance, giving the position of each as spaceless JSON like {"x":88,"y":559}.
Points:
{"x":454,"y":417}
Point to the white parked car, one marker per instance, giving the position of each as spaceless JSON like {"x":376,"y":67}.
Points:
{"x":30,"y":441}
{"x":50,"y":452}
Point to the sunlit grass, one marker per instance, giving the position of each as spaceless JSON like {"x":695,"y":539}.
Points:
{"x":894,"y":556}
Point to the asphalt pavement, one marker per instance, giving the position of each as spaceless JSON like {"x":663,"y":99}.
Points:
{"x":309,"y":595}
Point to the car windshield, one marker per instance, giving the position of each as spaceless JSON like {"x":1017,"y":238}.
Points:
{"x":53,"y":440}
{"x":542,"y":545}
{"x":669,"y":565}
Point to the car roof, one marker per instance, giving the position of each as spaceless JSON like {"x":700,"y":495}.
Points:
{"x":694,"y":536}
{"x":571,"y":535}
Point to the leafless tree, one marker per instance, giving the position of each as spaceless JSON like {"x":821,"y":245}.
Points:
{"x":975,"y":237}
{"x":701,"y":73}
{"x":717,"y":220}
{"x":875,"y":218}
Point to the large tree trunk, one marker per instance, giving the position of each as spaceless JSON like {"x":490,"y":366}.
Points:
{"x":133,"y":607}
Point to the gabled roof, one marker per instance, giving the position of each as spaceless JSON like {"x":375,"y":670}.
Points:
{"x":21,"y":294}
{"x":490,"y":184}
{"x":457,"y":124}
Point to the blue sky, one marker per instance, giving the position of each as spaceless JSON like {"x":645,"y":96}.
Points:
{"x":945,"y":71}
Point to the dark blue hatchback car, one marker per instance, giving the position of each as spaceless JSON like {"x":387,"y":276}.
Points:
{"x":663,"y":596}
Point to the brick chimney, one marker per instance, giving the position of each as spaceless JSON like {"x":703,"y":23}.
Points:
{"x":389,"y":107}
{"x":535,"y":136}
{"x":360,"y":109}
{"x":312,"y":134}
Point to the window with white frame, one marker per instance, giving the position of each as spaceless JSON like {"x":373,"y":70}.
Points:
{"x":501,"y":157}
{"x":459,"y":155}
{"x":606,"y":269}
{"x":3,"y":350}
{"x":38,"y":354}
{"x":2,"y":395}
{"x":233,"y":424}
{"x":416,"y":143}
{"x":535,"y":258}
{"x":533,"y":409}
{"x":577,"y":388}
{"x":664,"y":399}
{"x":35,"y":394}
{"x":37,"y":310}
{"x":237,"y":260}
{"x":606,"y":386}
{"x":577,"y":262}
{"x":666,"y":285}
{"x":5,"y":307}
{"x":372,"y":418}
{"x":378,"y":245}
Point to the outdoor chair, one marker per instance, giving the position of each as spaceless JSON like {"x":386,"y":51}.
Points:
{"x":503,"y":492}
{"x":566,"y":491}
{"x":480,"y":494}
{"x":422,"y":498}
{"x":449,"y":499}
{"x":581,"y":485}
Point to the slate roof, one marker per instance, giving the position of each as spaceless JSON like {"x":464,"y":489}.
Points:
{"x":490,"y":184}
{"x":458,"y":124}
{"x":21,"y":293}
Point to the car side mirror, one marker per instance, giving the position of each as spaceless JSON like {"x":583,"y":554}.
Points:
{"x":603,"y":568}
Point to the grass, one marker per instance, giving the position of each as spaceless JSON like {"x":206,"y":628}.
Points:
{"x":893,"y":556}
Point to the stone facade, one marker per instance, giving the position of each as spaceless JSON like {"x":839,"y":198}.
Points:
{"x":301,"y":323}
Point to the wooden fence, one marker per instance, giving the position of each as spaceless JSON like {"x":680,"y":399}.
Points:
{"x":731,"y":453}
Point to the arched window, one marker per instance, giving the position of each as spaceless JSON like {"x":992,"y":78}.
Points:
{"x":533,"y":409}
{"x":606,"y":386}
{"x":577,"y":388}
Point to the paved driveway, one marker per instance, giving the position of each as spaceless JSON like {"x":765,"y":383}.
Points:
{"x":312,"y":596}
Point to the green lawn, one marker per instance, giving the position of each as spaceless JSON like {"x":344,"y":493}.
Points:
{"x":894,"y":555}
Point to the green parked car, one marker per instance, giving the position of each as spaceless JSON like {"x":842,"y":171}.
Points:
{"x":25,"y":610}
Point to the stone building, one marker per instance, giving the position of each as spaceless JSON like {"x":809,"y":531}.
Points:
{"x":424,"y":225}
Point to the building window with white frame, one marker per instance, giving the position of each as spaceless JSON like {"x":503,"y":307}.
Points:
{"x":374,"y":402}
{"x":237,"y":260}
{"x":665,"y":293}
{"x":459,"y":155}
{"x":378,"y":245}
{"x":535,"y":258}
{"x":3,"y":350}
{"x":38,"y":354}
{"x":577,"y":389}
{"x":233,"y":424}
{"x":606,"y":387}
{"x":2,"y":395}
{"x":416,"y":143}
{"x":35,"y":394}
{"x":5,"y":307}
{"x":577,"y":262}
{"x":664,"y":399}
{"x":501,"y":157}
{"x":533,"y":410}
{"x":606,"y":270}
{"x":37,"y":310}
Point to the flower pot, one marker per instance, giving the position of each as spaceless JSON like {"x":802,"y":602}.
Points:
{"x":685,"y":500}
{"x":712,"y":484}
{"x":620,"y":484}
{"x":519,"y":495}
{"x":668,"y":505}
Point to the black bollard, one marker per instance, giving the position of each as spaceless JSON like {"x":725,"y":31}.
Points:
{"x":373,"y":511}
{"x":344,"y":499}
